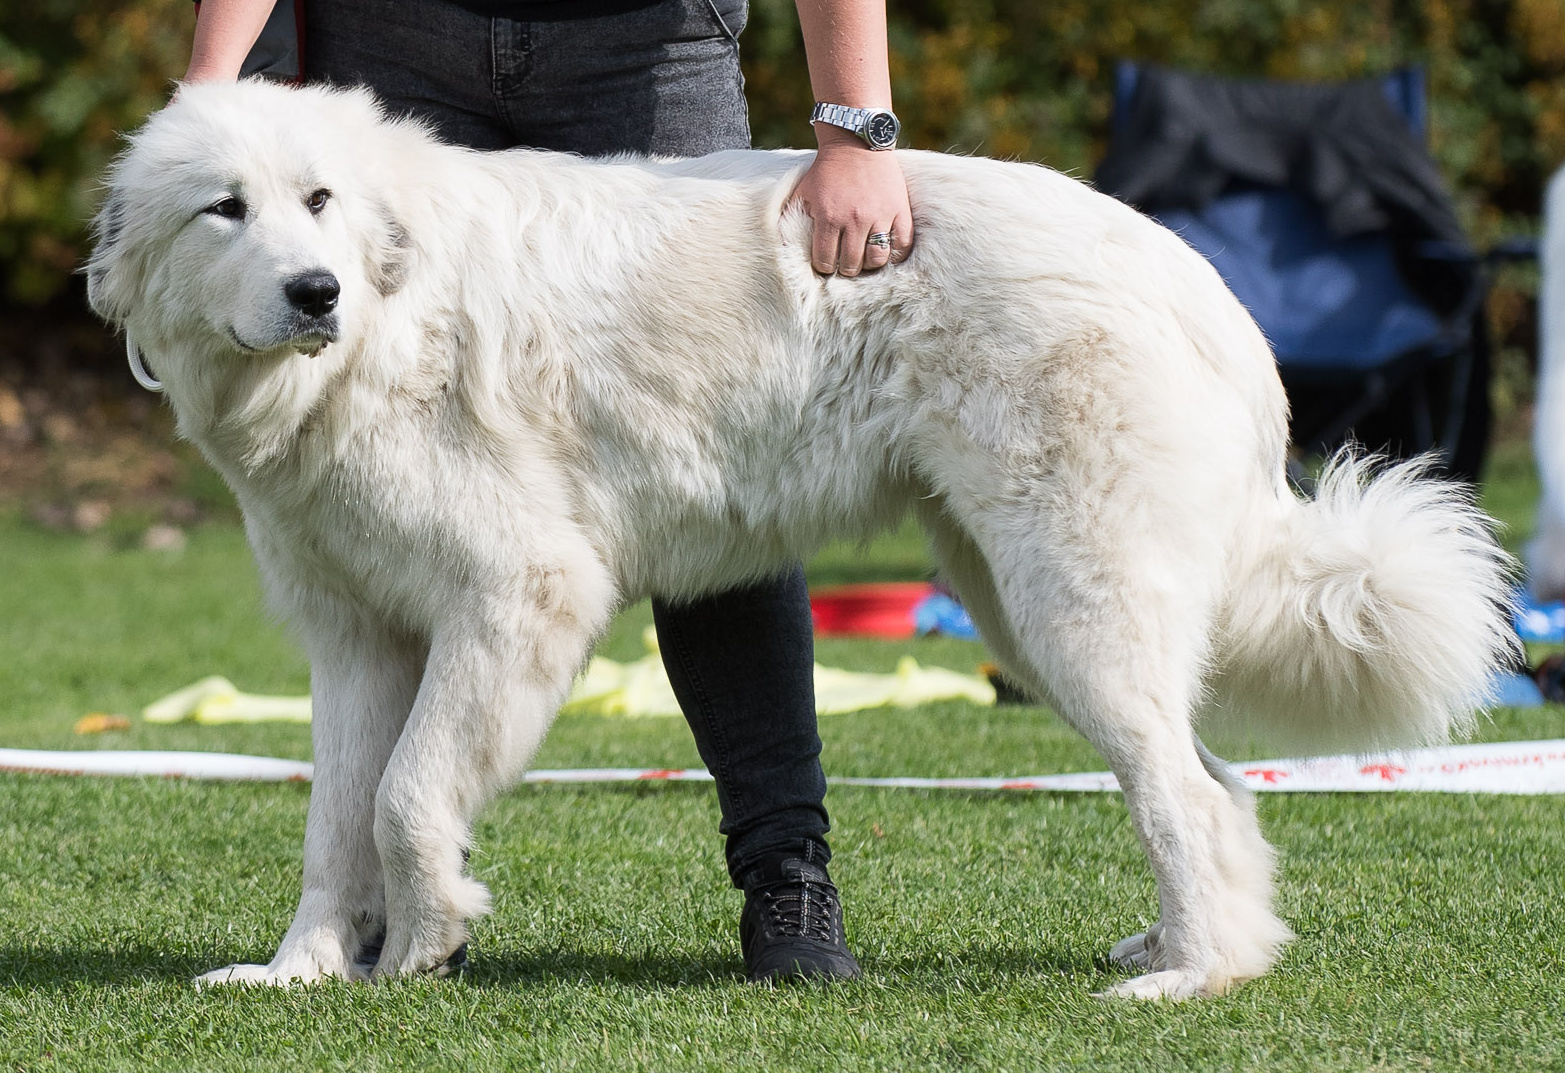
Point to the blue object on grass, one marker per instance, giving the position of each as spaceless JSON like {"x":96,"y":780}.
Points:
{"x":1539,"y":623}
{"x":938,"y":613}
{"x":1513,"y":690}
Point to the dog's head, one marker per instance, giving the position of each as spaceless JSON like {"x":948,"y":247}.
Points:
{"x":248,"y":219}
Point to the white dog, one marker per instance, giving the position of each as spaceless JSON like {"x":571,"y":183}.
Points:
{"x":472,"y":403}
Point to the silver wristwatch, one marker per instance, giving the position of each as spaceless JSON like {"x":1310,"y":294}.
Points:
{"x":877,"y":126}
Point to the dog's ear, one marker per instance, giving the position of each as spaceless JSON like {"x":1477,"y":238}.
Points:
{"x":391,"y":257}
{"x":107,"y":290}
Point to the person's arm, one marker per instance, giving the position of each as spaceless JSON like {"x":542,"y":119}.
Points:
{"x":851,"y":191}
{"x":226,"y":30}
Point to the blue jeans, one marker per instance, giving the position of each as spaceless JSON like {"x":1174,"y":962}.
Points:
{"x":664,"y":80}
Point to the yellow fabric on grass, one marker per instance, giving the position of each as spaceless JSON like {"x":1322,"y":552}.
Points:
{"x":634,"y":690}
{"x":217,"y":700}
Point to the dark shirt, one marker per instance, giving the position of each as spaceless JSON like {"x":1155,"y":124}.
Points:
{"x":552,"y":10}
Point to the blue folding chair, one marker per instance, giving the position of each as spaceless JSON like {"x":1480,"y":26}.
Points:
{"x":1320,"y":208}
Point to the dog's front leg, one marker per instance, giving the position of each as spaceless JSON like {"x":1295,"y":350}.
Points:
{"x":363,"y":683}
{"x":496,"y":675}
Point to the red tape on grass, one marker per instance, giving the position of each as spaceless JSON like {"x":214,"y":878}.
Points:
{"x":1524,"y":767}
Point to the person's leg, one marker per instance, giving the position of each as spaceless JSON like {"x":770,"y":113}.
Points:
{"x":666,"y":80}
{"x":662,"y":80}
{"x":742,"y":665}
{"x":425,"y":58}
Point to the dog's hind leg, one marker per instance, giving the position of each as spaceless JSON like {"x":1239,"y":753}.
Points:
{"x":1249,"y":891}
{"x":962,"y":565}
{"x":1118,"y":647}
{"x":498,"y":670}
{"x":363,"y":682}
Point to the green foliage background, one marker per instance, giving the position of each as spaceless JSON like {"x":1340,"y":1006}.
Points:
{"x":1028,"y":79}
{"x":72,"y":74}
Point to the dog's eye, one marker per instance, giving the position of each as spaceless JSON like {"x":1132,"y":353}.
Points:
{"x":230,"y":208}
{"x":317,"y":200}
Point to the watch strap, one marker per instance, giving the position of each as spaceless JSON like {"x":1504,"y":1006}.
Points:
{"x":855,"y":120}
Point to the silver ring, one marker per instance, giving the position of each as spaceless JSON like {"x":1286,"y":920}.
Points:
{"x":879,"y":238}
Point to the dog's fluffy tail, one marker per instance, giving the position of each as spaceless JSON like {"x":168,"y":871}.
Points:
{"x":1373,"y":615}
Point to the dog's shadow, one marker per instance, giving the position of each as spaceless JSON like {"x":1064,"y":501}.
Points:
{"x":41,"y":967}
{"x":662,"y":971}
{"x":564,"y":965}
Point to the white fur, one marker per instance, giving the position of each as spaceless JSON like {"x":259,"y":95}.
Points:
{"x":1546,"y":551}
{"x":553,"y":386}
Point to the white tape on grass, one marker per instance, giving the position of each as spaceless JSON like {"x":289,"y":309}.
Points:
{"x":1521,"y":767}
{"x":228,"y":766}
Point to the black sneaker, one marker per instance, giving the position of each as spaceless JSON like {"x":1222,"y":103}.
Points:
{"x":791,"y":927}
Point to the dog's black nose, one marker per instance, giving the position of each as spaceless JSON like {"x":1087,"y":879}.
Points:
{"x":314,"y":293}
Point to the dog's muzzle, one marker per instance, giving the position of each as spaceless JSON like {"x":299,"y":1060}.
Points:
{"x":312,"y":298}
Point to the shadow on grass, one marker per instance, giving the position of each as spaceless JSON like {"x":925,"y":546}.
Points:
{"x":44,"y":967}
{"x":563,"y":965}
{"x":990,"y":965}
{"x":966,"y":967}
{"x":41,"y":967}
{"x":38,"y":966}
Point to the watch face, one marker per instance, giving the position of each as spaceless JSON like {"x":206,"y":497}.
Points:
{"x":881,"y":130}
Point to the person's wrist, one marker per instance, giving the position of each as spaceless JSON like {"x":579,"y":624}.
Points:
{"x":830,"y":139}
{"x":875,"y":126}
{"x":208,"y":73}
{"x":218,"y":61}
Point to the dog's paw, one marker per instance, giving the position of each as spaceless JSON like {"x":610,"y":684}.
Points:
{"x":1141,"y":951}
{"x":433,"y":939}
{"x":1172,"y":984}
{"x":421,"y":959}
{"x":1148,"y":950}
{"x":283,"y":972}
{"x":256,"y":976}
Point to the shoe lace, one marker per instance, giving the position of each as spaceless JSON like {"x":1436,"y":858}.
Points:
{"x":803,"y":910}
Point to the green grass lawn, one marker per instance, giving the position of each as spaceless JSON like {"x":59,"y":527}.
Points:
{"x":1429,"y":926}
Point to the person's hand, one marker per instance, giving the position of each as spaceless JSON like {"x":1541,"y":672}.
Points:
{"x":850,"y":193}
